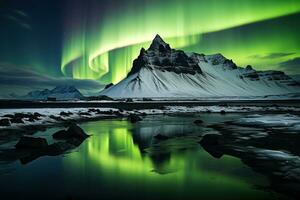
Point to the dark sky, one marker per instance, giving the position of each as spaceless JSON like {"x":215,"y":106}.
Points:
{"x":96,"y":40}
{"x":31,"y":33}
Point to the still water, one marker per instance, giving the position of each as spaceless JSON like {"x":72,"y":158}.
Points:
{"x":123,"y":160}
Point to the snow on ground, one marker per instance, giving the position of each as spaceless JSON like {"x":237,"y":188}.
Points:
{"x":230,"y":109}
{"x":49,"y":115}
{"x":274,"y":120}
{"x":288,"y":121}
{"x":53,"y":115}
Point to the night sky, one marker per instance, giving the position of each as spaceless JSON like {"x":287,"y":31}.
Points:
{"x":89,"y":43}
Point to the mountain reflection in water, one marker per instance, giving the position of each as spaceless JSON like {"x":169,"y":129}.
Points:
{"x":124,"y":160}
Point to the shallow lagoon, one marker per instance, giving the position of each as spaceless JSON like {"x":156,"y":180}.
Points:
{"x":124,"y":160}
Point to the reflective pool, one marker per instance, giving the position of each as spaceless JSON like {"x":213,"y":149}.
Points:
{"x":124,"y":160}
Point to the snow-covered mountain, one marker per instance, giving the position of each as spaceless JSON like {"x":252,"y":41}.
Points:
{"x":60,"y":93}
{"x":164,"y":72}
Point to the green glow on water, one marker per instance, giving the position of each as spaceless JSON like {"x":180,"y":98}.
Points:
{"x":103,"y":48}
{"x":112,"y":156}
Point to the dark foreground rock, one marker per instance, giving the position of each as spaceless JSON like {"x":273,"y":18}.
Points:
{"x":31,"y":143}
{"x":133,"y":118}
{"x":223,"y":112}
{"x":198,"y":122}
{"x":17,"y":120}
{"x":73,"y":131}
{"x":4,"y":122}
{"x":212,"y":139}
{"x":30,"y":148}
{"x":66,"y":114}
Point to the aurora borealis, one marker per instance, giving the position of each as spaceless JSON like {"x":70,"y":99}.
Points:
{"x":99,"y":39}
{"x":104,"y":45}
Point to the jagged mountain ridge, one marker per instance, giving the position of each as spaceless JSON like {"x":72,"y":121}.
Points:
{"x":161,"y":71}
{"x":64,"y":92}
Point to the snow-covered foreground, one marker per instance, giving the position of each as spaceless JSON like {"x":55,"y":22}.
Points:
{"x":48,"y":116}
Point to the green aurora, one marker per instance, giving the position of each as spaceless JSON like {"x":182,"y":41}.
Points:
{"x":101,"y":41}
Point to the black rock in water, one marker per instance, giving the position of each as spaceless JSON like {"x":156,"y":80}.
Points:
{"x":198,"y":122}
{"x":211,"y":139}
{"x":26,"y":142}
{"x":73,"y":131}
{"x":133,"y":118}
{"x":4,"y":122}
{"x":17,"y":120}
{"x":65,"y":113}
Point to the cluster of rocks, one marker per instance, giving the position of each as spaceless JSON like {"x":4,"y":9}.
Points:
{"x":269,"y":150}
{"x":133,"y":118}
{"x":19,"y":118}
{"x":29,"y":148}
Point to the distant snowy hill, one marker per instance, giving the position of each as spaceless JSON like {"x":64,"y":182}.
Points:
{"x":59,"y":92}
{"x":164,"y":72}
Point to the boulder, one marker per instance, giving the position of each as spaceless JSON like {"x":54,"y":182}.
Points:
{"x":223,"y":112}
{"x":85,"y":114}
{"x":62,"y":134}
{"x":144,"y":114}
{"x":17,"y":120}
{"x":26,"y":142}
{"x":212,"y":143}
{"x":65,"y":113}
{"x":36,"y":114}
{"x":8,"y":115}
{"x":73,"y":131}
{"x":22,"y":115}
{"x":133,"y":118}
{"x":76,"y":131}
{"x":56,"y":118}
{"x":211,"y":139}
{"x":198,"y":122}
{"x":33,"y":117}
{"x":4,"y":122}
{"x":129,"y":100}
{"x":93,"y":110}
{"x":58,"y":148}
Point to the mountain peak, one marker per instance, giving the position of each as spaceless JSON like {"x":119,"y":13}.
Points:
{"x":158,"y":39}
{"x":158,"y":43}
{"x":61,"y":92}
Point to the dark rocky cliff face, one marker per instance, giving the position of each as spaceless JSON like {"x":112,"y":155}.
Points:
{"x":162,"y":57}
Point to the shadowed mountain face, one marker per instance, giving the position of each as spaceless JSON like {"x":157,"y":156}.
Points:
{"x":160,"y":56}
{"x":161,"y":71}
